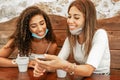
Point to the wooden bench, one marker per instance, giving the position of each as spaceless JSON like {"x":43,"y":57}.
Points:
{"x":111,"y":25}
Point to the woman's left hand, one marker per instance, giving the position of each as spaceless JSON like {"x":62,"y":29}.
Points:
{"x":51,"y":63}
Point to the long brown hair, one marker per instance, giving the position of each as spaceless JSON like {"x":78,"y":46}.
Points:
{"x":88,"y":9}
{"x":22,"y":35}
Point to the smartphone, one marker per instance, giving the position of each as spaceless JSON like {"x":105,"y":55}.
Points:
{"x":41,"y":57}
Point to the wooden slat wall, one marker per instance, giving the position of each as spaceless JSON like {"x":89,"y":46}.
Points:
{"x":59,"y":27}
{"x":112,"y":25}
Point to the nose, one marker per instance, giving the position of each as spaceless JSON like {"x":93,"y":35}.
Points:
{"x":39,"y":28}
{"x":70,"y":20}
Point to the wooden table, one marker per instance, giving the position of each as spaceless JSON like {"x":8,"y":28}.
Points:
{"x":14,"y":74}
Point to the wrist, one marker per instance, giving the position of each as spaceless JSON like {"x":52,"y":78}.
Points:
{"x":70,"y":68}
{"x":64,"y":65}
{"x":72,"y":72}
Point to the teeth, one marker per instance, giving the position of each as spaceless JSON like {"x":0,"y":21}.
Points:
{"x":41,"y":33}
{"x":71,"y":27}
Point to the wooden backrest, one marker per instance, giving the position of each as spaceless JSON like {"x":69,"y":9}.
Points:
{"x":111,"y":25}
{"x":59,"y":26}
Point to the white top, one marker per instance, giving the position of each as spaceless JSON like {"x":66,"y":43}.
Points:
{"x":99,"y":56}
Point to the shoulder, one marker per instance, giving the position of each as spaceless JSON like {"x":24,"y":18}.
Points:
{"x":9,"y":43}
{"x":100,"y":35}
{"x":101,"y":31}
{"x":67,"y":39}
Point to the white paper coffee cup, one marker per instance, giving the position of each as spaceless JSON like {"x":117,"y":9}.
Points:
{"x":61,"y":73}
{"x":22,"y":63}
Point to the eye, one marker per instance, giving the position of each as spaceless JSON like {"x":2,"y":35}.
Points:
{"x":69,"y":16}
{"x":33,"y":26}
{"x":42,"y":23}
{"x":76,"y":17}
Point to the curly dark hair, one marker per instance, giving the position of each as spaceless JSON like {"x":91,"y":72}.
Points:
{"x":22,"y":35}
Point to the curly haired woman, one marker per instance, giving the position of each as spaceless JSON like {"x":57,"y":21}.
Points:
{"x":33,"y":36}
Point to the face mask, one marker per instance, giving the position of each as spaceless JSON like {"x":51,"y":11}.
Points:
{"x":76,"y":31}
{"x":40,"y":37}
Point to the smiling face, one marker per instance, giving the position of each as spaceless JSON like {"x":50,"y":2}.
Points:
{"x":75,"y":18}
{"x":37,"y":25}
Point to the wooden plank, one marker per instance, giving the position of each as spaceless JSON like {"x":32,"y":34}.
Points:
{"x":1,"y":46}
{"x":109,"y":24}
{"x":3,"y":41}
{"x":115,"y":59}
{"x":114,"y":39}
{"x":8,"y":25}
{"x":5,"y":34}
{"x":58,"y":22}
{"x":60,"y":36}
{"x":115,"y":43}
{"x":115,"y":71}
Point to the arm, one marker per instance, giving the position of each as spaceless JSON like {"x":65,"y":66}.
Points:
{"x":81,"y":70}
{"x":5,"y":51}
{"x":99,"y":47}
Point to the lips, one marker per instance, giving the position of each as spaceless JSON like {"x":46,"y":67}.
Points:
{"x":72,"y":27}
{"x":40,"y":34}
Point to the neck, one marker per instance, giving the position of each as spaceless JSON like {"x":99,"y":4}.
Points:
{"x":38,"y":40}
{"x":81,"y":38}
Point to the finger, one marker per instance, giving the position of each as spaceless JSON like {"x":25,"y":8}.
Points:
{"x":36,"y":74}
{"x":39,"y":68}
{"x":39,"y":71}
{"x":31,"y":66}
{"x":43,"y":64}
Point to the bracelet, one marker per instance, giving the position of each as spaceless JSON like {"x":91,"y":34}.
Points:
{"x":73,"y":67}
{"x":14,"y":61}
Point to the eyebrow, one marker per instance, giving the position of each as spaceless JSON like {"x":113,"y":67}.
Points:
{"x":34,"y":23}
{"x":42,"y":20}
{"x":77,"y":15}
